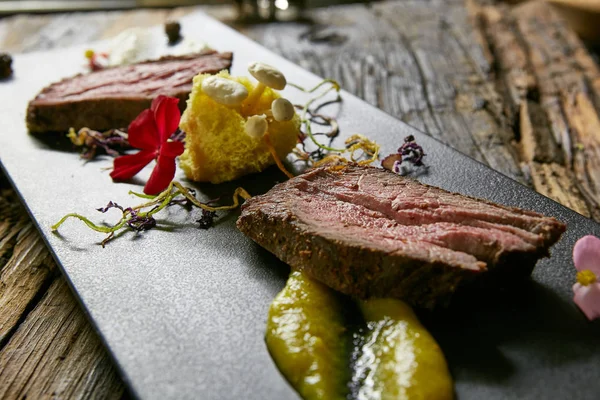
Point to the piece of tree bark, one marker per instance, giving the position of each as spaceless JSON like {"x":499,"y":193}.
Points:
{"x":585,"y":134}
{"x":536,"y":142}
{"x":554,"y":181}
{"x":552,"y":89}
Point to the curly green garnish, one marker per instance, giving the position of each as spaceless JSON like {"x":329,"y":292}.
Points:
{"x":141,"y":217}
{"x":305,"y":119}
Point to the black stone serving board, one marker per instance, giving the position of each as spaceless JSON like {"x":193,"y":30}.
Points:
{"x":183,"y":310}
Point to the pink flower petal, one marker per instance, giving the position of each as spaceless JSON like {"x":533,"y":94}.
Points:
{"x":125,"y":167}
{"x":586,"y":254}
{"x":587,"y":299}
{"x":162,"y":175}
{"x":142,"y":132}
{"x":166,"y":115}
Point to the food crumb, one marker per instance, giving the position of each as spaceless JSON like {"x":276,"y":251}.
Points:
{"x":5,"y":66}
{"x":173,"y":31}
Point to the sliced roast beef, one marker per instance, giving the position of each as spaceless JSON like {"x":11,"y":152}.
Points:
{"x":368,"y":232}
{"x":113,"y":97}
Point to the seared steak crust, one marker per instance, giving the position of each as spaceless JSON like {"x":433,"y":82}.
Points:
{"x":368,"y":232}
{"x":113,"y":97}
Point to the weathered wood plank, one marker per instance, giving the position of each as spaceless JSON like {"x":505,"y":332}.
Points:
{"x":537,"y":143}
{"x":413,"y":60}
{"x":585,"y":134}
{"x":25,"y":264}
{"x":24,"y":275}
{"x":552,"y":89}
{"x":12,"y":221}
{"x":554,"y":181}
{"x":56,"y":354}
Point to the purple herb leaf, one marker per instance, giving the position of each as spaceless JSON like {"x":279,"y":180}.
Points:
{"x":113,"y":142}
{"x":410,"y":152}
{"x":184,"y":202}
{"x":109,"y":206}
{"x":140,"y":223}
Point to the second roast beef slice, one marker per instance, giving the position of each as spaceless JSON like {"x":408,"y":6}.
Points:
{"x":113,"y":97}
{"x":368,"y":232}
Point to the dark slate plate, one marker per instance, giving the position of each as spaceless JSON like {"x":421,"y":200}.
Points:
{"x":183,"y":310}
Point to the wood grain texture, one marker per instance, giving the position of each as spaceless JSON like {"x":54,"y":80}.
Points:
{"x":24,"y":275}
{"x":512,"y":87}
{"x":418,"y":61}
{"x":57,"y":353}
{"x":25,"y":264}
{"x":551,"y":87}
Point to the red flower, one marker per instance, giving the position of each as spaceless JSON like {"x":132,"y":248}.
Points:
{"x":150,"y":133}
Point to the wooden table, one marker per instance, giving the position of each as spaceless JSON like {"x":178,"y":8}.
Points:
{"x":511,"y":87}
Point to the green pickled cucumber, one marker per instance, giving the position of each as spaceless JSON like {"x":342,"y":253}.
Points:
{"x":398,"y":358}
{"x":306,"y":336}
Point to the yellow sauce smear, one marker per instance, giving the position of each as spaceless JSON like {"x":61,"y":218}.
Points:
{"x":305,"y":336}
{"x":397,"y":357}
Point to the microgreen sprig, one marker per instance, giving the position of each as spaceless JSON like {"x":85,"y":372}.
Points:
{"x":306,"y":115}
{"x":309,"y":116}
{"x":141,"y":217}
{"x":369,"y":148}
{"x":354,"y":143}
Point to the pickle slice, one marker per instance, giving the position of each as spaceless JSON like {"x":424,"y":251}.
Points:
{"x":398,"y":358}
{"x":307,"y":338}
